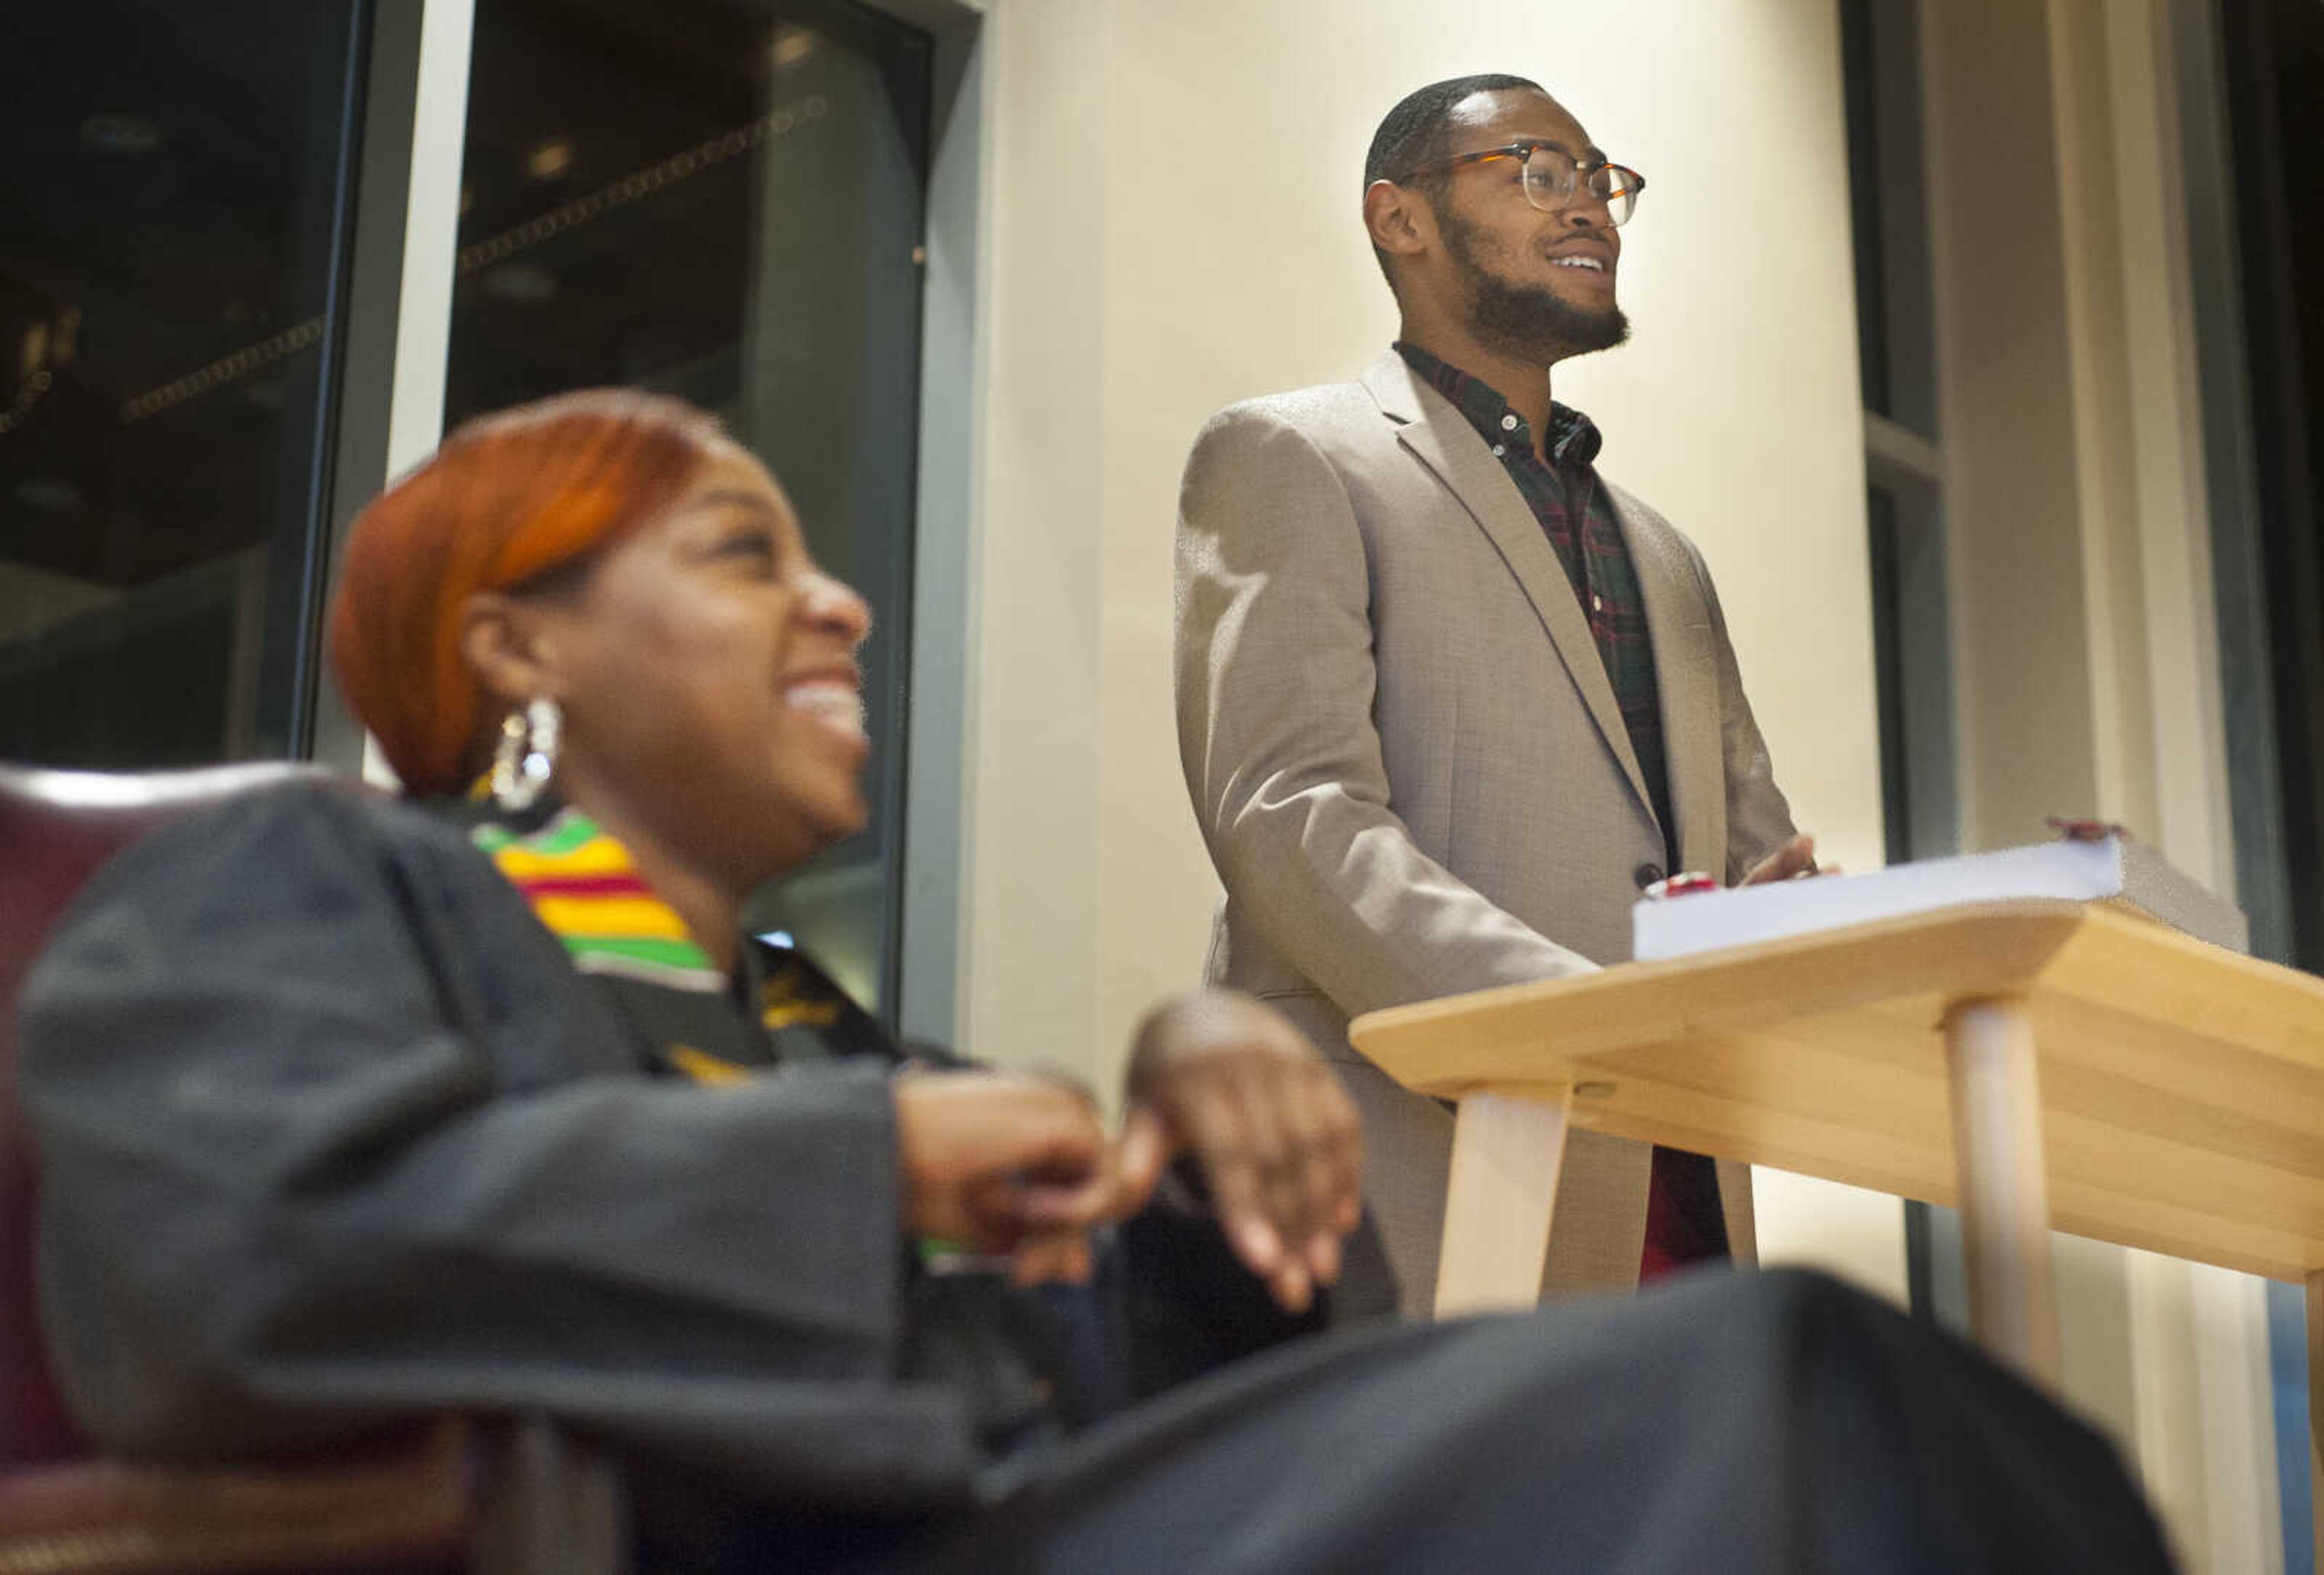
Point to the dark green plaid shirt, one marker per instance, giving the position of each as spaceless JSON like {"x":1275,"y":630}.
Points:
{"x":1684,"y":1222}
{"x":1578,"y":517}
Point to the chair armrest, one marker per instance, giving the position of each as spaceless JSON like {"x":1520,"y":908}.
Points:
{"x":404,"y":1499}
{"x":504,"y":1498}
{"x":548,"y":1505}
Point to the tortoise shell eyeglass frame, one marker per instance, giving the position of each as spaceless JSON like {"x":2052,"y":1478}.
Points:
{"x":1550,"y":183}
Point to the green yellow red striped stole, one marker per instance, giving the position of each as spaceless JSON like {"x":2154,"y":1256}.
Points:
{"x":691,"y":1019}
{"x":586,"y":889}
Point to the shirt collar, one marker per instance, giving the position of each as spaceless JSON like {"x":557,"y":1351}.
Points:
{"x":1574,"y":437}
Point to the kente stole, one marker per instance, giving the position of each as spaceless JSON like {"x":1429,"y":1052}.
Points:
{"x":692,"y":1019}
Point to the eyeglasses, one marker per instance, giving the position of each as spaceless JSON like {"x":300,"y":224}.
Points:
{"x":1551,"y":177}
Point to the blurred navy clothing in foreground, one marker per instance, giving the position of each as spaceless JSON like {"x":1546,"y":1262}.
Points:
{"x":335,"y":1133}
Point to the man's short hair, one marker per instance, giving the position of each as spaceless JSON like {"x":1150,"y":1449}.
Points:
{"x":1418,"y":130}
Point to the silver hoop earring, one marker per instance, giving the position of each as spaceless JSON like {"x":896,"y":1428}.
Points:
{"x":526,"y":757}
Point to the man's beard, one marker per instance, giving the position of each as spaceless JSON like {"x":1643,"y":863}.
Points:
{"x":1532,"y":320}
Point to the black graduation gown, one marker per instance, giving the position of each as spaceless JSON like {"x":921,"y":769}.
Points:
{"x":333,"y":1135}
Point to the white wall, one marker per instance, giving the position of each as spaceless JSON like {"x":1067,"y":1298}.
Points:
{"x":1174,"y":226}
{"x":1030,"y":838}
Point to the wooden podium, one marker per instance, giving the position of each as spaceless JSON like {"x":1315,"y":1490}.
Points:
{"x":2034,"y":1063}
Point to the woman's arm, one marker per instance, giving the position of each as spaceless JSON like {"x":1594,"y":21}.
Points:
{"x":329,"y":1137}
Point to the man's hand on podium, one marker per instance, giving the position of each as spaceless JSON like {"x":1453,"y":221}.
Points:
{"x":1789,"y":862}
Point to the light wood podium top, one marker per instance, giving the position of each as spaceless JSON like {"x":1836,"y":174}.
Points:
{"x":2182,"y":1085}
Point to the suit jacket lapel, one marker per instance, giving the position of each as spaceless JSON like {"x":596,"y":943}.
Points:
{"x":1686,"y":675}
{"x":1441,"y":439}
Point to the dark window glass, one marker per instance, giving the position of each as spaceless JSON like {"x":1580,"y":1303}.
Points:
{"x":1863,"y":204}
{"x":170,"y":235}
{"x":1888,"y":670}
{"x":1880,"y":62}
{"x":723,"y":201}
{"x":1912,"y":665}
{"x":2275,"y":95}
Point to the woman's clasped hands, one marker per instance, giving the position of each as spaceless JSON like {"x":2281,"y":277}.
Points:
{"x":1021,"y":1165}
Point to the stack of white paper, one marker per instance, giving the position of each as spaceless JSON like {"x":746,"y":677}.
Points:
{"x":2113,"y":871}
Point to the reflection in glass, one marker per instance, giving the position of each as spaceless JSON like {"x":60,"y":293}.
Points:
{"x":169,"y":238}
{"x":724,"y":202}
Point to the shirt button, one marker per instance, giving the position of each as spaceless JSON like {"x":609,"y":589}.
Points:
{"x":1645,"y":875}
{"x":1499,"y":449}
{"x":1509,"y":423}
{"x":1598,"y":604}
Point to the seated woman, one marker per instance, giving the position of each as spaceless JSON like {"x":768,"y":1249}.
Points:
{"x":353,"y":1109}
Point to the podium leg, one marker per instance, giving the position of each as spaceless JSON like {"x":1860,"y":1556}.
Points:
{"x":2005,"y":1190}
{"x":1506,"y":1154}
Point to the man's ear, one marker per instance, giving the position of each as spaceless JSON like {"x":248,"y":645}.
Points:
{"x":1398,"y":219}
{"x":507,"y":644}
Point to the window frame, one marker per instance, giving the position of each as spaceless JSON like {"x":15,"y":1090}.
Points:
{"x":390,"y":415}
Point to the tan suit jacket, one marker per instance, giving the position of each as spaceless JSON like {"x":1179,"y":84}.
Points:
{"x":1407,"y":761}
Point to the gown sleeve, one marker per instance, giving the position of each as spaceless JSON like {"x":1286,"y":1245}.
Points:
{"x":331,"y":1133}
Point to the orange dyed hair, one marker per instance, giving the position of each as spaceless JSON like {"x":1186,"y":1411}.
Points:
{"x":507,"y":499}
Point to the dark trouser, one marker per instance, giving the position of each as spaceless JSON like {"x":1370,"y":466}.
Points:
{"x":1757,"y":1424}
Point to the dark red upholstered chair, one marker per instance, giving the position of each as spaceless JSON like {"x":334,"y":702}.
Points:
{"x":449,"y":1495}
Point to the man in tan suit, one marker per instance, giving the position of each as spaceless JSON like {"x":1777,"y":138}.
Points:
{"x":1447,"y":699}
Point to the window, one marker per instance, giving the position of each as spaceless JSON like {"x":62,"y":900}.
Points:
{"x":171,"y":255}
{"x":1903,"y":464}
{"x":1904,"y":502}
{"x":723,"y":201}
